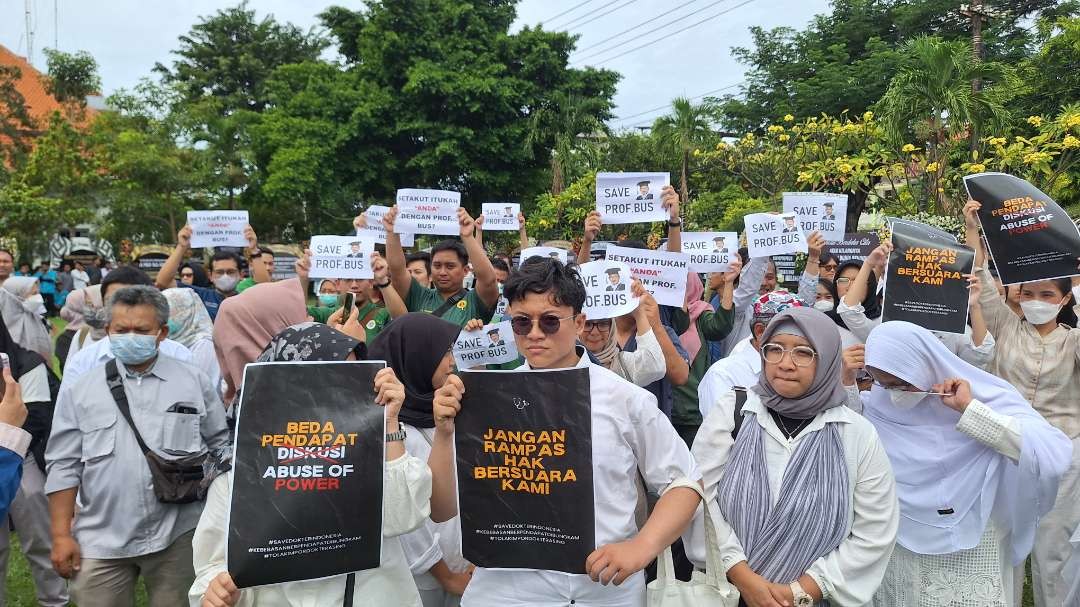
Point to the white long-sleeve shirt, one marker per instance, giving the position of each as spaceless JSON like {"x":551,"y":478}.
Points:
{"x":630,"y":436}
{"x":740,"y":369}
{"x":407,"y":502}
{"x":849,"y":575}
{"x":742,"y":301}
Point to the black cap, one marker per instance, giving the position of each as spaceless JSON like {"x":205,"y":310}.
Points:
{"x":641,"y":183}
{"x":612,"y":270}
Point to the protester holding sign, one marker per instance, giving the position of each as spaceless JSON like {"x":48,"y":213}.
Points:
{"x":372,"y":316}
{"x":594,"y":222}
{"x":827,"y":530}
{"x":449,"y":259}
{"x":417,"y":346}
{"x":224,"y":270}
{"x":406,"y":505}
{"x":1041,"y":359}
{"x":631,"y":197}
{"x":545,"y":307}
{"x":973,"y":520}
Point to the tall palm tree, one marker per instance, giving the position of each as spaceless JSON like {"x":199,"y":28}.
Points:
{"x":683,"y":130}
{"x":564,"y":125}
{"x":932,"y":98}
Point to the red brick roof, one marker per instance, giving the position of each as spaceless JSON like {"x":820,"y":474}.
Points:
{"x":32,"y":86}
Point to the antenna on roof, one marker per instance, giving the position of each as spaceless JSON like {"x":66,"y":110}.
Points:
{"x":29,"y":33}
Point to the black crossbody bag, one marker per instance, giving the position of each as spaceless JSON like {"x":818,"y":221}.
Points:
{"x":176,"y":481}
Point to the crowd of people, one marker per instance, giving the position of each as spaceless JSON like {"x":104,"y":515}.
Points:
{"x":844,"y":460}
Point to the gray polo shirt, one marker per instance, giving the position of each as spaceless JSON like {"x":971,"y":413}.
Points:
{"x":93,"y":448}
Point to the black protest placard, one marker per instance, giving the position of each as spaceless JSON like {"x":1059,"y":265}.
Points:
{"x":524,"y":469}
{"x":307,"y":486}
{"x":856,"y":246}
{"x":1029,"y":235}
{"x":925,"y":281}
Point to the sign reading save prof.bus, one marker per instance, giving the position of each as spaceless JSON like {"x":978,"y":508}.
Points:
{"x":631,"y":197}
{"x":427,"y":212}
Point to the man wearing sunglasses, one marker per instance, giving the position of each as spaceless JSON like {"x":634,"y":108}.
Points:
{"x":632,"y":438}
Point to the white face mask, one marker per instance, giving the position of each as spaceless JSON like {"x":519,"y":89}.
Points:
{"x":226,"y":283}
{"x":905,"y":400}
{"x":35,"y":304}
{"x":1076,"y":294}
{"x":1039,"y":312}
{"x":824,"y":305}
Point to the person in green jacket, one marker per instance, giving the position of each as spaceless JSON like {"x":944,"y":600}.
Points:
{"x":704,"y":324}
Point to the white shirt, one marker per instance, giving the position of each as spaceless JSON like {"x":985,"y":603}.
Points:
{"x":848,"y":575}
{"x":741,"y":368}
{"x":205,"y":359}
{"x":80,"y":278}
{"x":645,"y":364}
{"x":406,"y":503}
{"x":99,"y":353}
{"x":630,"y":435}
{"x":34,"y":385}
{"x":750,"y":279}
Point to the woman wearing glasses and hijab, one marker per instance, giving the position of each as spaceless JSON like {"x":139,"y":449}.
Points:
{"x":975,"y":465}
{"x":803,"y":495}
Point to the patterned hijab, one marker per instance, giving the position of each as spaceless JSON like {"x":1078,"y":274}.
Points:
{"x":189,"y":322}
{"x":812,"y":513}
{"x":312,"y":341}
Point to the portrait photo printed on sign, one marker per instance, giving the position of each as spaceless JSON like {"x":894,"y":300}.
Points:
{"x":375,"y":230}
{"x":768,"y":234}
{"x":217,"y":228}
{"x":1030,"y":236}
{"x":662,"y":273}
{"x":501,"y":216}
{"x":427,"y":212}
{"x":710,"y":251}
{"x":546,"y":252}
{"x":491,"y":345}
{"x":306,"y":499}
{"x":341,"y":257}
{"x":607,"y":289}
{"x":523,"y":443}
{"x":631,"y":197}
{"x":925,"y":278}
{"x":819,"y":212}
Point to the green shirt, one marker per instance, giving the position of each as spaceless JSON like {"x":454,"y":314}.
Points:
{"x":711,"y":326}
{"x":429,"y":300}
{"x":245,"y":284}
{"x":373,"y":326}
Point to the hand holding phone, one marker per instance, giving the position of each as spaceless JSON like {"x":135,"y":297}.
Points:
{"x":346,"y":301}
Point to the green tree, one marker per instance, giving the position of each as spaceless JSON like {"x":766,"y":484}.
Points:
{"x":63,"y":165}
{"x":684,"y":130}
{"x":570,"y":122}
{"x":16,"y":125}
{"x":931,"y":96}
{"x":72,"y":77}
{"x":28,"y":216}
{"x":1052,"y":75}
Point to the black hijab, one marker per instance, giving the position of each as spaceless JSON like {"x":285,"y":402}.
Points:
{"x":414,"y":346}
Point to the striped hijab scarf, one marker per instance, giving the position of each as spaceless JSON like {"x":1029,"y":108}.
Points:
{"x":813,"y":511}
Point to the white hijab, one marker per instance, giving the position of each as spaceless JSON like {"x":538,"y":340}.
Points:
{"x":26,"y":327}
{"x":938,"y":467}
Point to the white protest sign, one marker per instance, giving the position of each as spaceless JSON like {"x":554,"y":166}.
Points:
{"x":217,"y":228}
{"x":607,"y":289}
{"x":662,"y":273}
{"x":500,"y":307}
{"x":492,"y":345}
{"x":768,"y":234}
{"x":631,"y":197}
{"x":427,"y":212}
{"x":710,"y":251}
{"x":818,"y":211}
{"x":551,"y":252}
{"x":341,"y":257}
{"x":374,"y":228}
{"x":500,"y":216}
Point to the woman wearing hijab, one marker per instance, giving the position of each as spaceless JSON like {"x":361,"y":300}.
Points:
{"x":406,"y":498}
{"x":190,"y":325}
{"x":976,"y":467}
{"x":248,"y":321}
{"x":804,"y":498}
{"x":705,"y":324}
{"x":417,"y":346}
{"x":24,"y":314}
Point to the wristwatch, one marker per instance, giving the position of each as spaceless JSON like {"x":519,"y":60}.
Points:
{"x":674,"y":224}
{"x":392,"y":437}
{"x":383,"y":285}
{"x":802,"y":599}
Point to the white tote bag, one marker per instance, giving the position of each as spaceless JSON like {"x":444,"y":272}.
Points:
{"x":709,"y":588}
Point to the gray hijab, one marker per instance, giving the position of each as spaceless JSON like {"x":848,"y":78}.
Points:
{"x":826,"y":391}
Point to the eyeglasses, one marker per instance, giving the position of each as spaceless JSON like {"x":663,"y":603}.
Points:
{"x":187,"y":274}
{"x":548,"y":323}
{"x":597,"y":325}
{"x":843,"y":281}
{"x":802,"y":356}
{"x":829,"y":267}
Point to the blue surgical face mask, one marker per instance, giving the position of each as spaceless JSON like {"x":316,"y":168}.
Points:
{"x":133,"y":348}
{"x":174,"y":327}
{"x":328,"y":300}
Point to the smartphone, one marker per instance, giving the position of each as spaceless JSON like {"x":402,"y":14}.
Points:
{"x":346,"y":301}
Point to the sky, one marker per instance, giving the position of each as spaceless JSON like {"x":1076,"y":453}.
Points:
{"x":127,"y":37}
